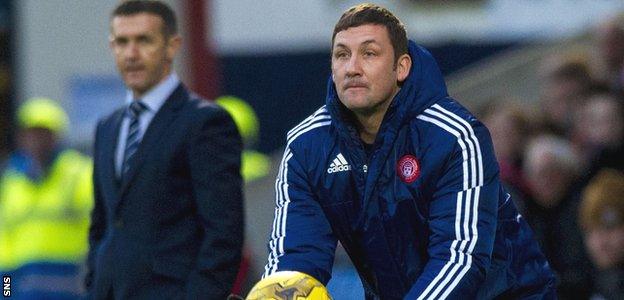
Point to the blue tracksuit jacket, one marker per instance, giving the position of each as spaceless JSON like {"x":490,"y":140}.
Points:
{"x":425,"y":218}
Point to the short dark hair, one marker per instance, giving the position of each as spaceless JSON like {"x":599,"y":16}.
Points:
{"x":161,"y":9}
{"x":368,"y":13}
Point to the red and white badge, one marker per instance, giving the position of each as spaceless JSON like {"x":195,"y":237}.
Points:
{"x":408,"y":168}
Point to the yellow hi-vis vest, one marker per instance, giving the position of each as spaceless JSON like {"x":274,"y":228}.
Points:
{"x":254,"y":166}
{"x":46,"y":221}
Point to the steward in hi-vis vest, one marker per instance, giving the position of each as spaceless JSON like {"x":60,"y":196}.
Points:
{"x":46,"y":195}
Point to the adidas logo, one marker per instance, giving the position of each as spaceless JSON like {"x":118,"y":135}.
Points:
{"x":339,"y":164}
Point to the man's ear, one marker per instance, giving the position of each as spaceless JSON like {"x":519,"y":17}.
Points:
{"x":404,"y":65}
{"x":173,"y":45}
{"x":111,"y":41}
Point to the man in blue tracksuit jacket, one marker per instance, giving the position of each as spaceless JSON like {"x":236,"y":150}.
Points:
{"x":404,"y":177}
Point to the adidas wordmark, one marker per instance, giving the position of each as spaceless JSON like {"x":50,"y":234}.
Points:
{"x":339,"y":164}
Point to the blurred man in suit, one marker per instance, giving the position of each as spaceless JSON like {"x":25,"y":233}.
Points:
{"x":167,"y":221}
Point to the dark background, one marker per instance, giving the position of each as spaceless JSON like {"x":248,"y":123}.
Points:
{"x":6,"y":73}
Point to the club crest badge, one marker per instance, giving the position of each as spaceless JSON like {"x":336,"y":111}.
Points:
{"x":408,"y":168}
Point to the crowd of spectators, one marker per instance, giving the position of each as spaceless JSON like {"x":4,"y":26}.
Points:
{"x":562,"y":161}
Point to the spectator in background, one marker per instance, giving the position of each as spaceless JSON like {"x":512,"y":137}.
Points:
{"x":566,"y":79}
{"x":610,"y":44}
{"x":552,"y":168}
{"x":598,"y":130}
{"x":45,"y":198}
{"x":510,"y":128}
{"x":602,"y":219}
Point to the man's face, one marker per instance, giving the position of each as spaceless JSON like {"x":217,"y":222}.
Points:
{"x":363,"y":68}
{"x":142,"y":52}
{"x":547,"y":178}
{"x":611,"y":45}
{"x":36,"y":141}
{"x":606,"y":246}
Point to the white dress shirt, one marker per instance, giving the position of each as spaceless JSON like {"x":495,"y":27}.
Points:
{"x":153,"y":100}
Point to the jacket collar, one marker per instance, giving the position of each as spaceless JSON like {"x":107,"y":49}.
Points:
{"x":156,"y":97}
{"x":22,"y":162}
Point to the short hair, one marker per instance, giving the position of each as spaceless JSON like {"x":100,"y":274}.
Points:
{"x":602,"y":204}
{"x":510,"y":107}
{"x":569,"y":66}
{"x":557,"y":148}
{"x":158,"y":8}
{"x":368,"y":13}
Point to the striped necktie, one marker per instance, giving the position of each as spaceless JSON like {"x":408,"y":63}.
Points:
{"x":134,"y":137}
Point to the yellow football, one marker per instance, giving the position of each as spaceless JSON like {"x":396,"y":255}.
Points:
{"x":289,"y":285}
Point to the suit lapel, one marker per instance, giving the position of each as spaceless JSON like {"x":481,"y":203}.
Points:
{"x":110,"y":141}
{"x":155,"y":131}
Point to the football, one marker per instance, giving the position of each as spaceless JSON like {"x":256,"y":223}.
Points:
{"x":288,"y":285}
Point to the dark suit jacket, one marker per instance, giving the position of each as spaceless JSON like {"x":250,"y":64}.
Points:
{"x":173,"y":228}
